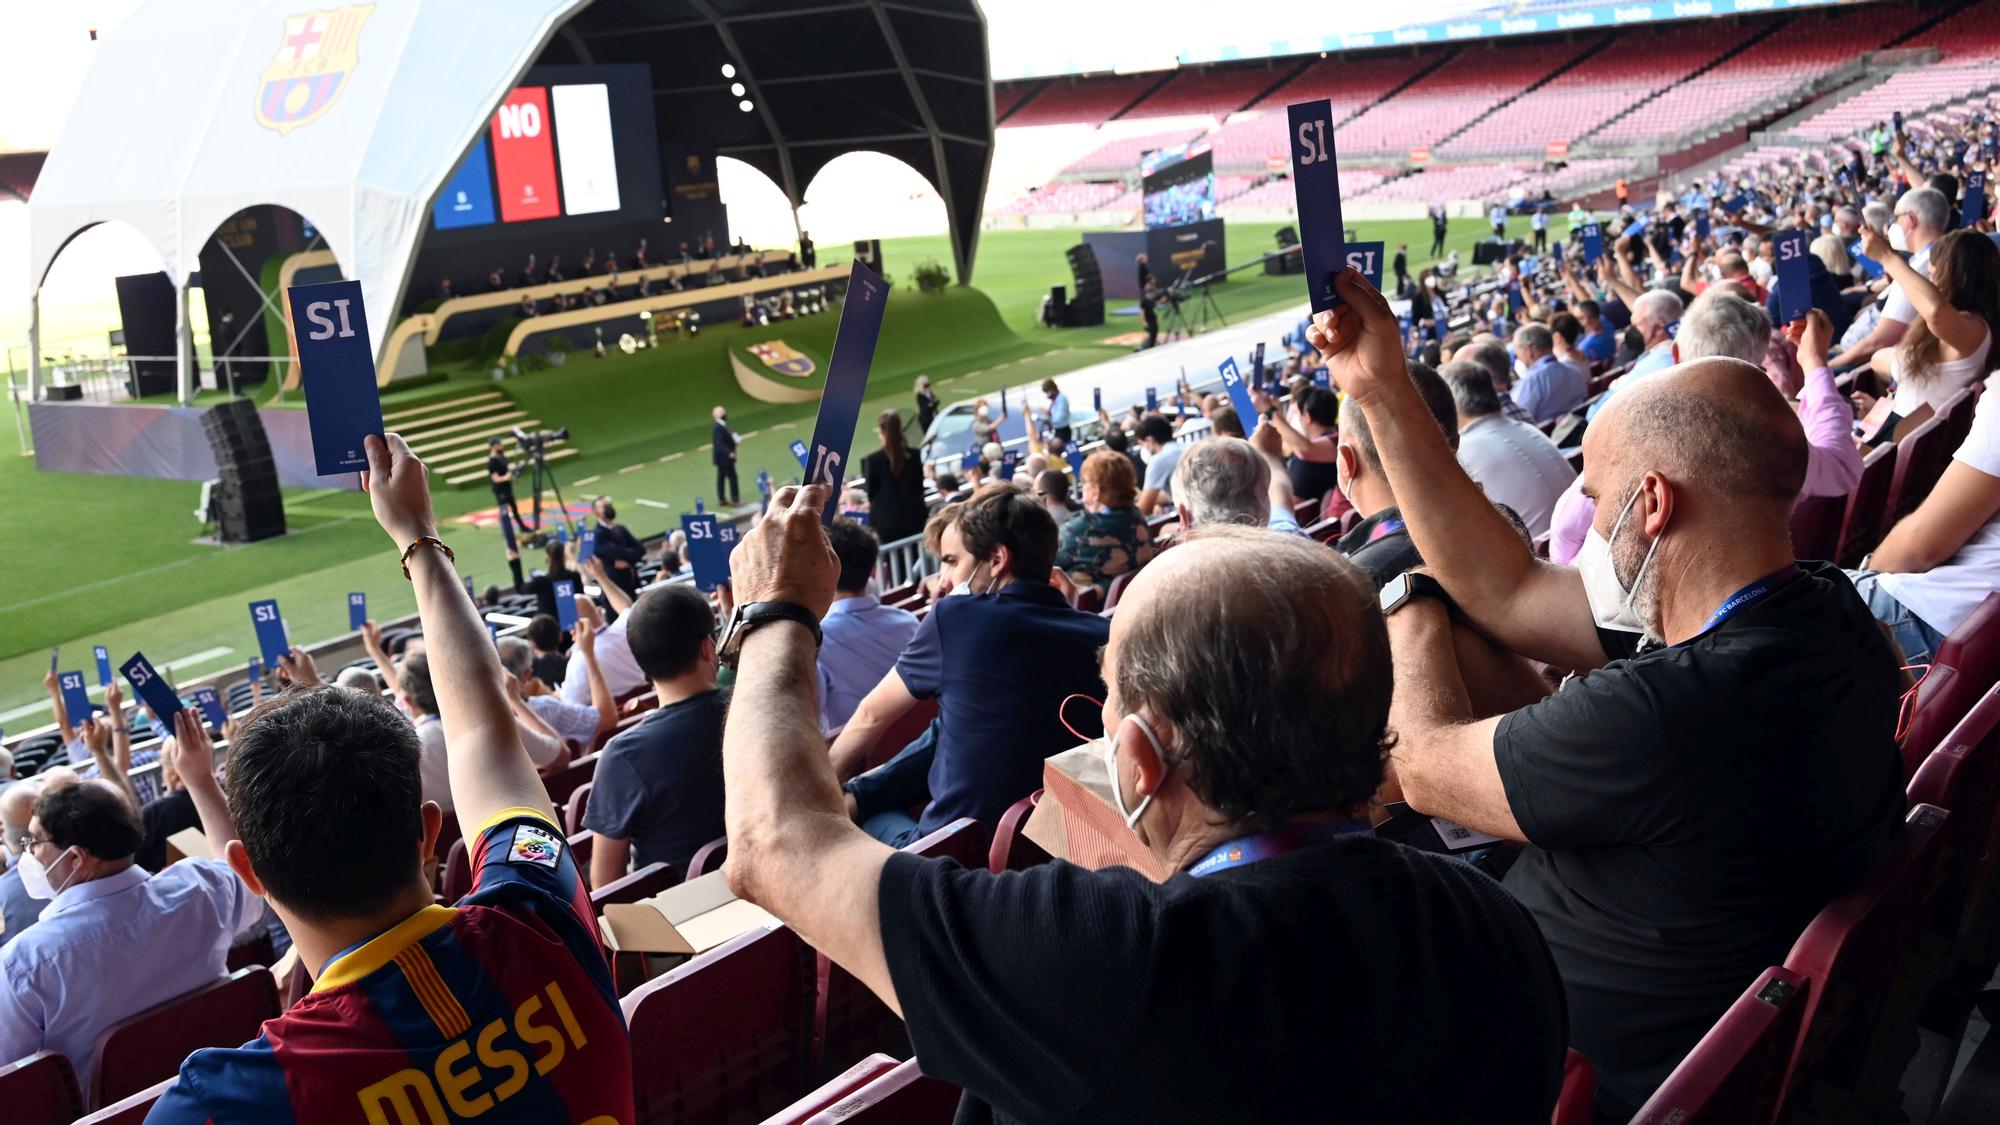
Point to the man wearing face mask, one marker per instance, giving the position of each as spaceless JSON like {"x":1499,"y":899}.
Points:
{"x":999,"y":659}
{"x":106,"y":915}
{"x":1725,"y":764}
{"x":1292,"y":957}
{"x":18,"y":908}
{"x":617,"y":546}
{"x":1654,"y":312}
{"x":1922,"y":216}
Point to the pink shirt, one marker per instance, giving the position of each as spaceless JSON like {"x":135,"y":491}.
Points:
{"x":1833,"y":464}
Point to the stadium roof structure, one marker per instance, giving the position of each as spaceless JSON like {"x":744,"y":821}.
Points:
{"x":908,"y":78}
{"x":354,"y":115}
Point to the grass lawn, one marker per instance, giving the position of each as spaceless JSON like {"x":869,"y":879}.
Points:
{"x":125,"y":573}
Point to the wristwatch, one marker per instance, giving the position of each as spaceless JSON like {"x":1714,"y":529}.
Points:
{"x":749,"y":617}
{"x":1409,"y":585}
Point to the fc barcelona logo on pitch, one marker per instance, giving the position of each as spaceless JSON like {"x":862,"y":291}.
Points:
{"x":315,"y":55}
{"x":783,"y":358}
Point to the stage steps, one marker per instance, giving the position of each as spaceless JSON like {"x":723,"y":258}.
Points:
{"x":451,"y":433}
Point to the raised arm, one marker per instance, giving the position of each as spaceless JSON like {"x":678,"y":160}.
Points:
{"x":587,"y":624}
{"x":121,"y":731}
{"x":194,"y":760}
{"x":621,"y":602}
{"x":792,"y":848}
{"x":1533,"y":608}
{"x":489,"y":770}
{"x":63,"y":724}
{"x":371,"y":640}
{"x":97,"y":738}
{"x":1961,"y":331}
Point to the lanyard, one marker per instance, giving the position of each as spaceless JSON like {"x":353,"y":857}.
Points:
{"x":1386,"y":528}
{"x":1750,"y":594}
{"x":1264,"y":845}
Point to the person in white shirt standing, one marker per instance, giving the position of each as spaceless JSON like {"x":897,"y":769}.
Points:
{"x":1514,"y":462}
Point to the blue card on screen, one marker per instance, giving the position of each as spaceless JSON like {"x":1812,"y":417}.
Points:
{"x":586,"y":545}
{"x":1593,"y":242}
{"x":1365,"y":258}
{"x":337,"y":366}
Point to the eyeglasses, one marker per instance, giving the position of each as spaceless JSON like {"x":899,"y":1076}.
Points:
{"x":26,"y":842}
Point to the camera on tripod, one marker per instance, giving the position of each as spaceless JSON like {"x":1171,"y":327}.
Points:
{"x":535,"y":444}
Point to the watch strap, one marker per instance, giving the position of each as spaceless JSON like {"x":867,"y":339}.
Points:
{"x":749,"y":617}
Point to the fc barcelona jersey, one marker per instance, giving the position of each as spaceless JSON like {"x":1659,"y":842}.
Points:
{"x":500,"y":1009}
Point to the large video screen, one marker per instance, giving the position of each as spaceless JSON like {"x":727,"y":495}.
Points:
{"x":1178,"y":184}
{"x":567,"y":141}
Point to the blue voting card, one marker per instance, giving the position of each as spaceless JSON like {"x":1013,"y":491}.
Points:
{"x":1239,"y":396}
{"x":566,"y":604}
{"x":698,"y":509}
{"x":1322,"y":377}
{"x":153,"y":690}
{"x":764,"y":484}
{"x":103,"y":656}
{"x":705,"y":556}
{"x":562,"y":533}
{"x":1515,"y":301}
{"x":970,"y":461}
{"x":211,"y":706}
{"x":1794,"y":278}
{"x":254,"y":670}
{"x":467,"y":579}
{"x":846,"y":380}
{"x":1257,"y":366}
{"x":1316,"y":185}
{"x":75,"y":697}
{"x":1973,"y":208}
{"x":507,"y":531}
{"x":1097,"y":399}
{"x":1075,"y":462}
{"x":493,"y":630}
{"x":799,"y":451}
{"x":1701,"y":226}
{"x":586,"y":545}
{"x":1365,"y":258}
{"x":726,"y":535}
{"x":270,"y":626}
{"x":357,"y":610}
{"x":1010,"y":460}
{"x":1593,"y":243}
{"x":337,"y":366}
{"x":1152,"y":401}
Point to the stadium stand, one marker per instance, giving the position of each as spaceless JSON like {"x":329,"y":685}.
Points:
{"x":1469,"y":85}
{"x":1968,"y":45}
{"x":1062,"y":101}
{"x":1213,"y":91}
{"x":1120,"y":155}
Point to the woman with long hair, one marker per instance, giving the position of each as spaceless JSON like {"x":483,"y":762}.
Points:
{"x":1958,"y":315}
{"x":894,"y":480}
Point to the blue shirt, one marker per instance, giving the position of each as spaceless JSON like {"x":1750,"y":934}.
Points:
{"x":1000,"y":666}
{"x":1550,"y":389}
{"x":17,"y":907}
{"x":1599,"y":346}
{"x":574,"y":722}
{"x":1655,"y":360}
{"x":659,"y":784}
{"x":70,"y":976}
{"x":1058,"y":413}
{"x":861,"y":639}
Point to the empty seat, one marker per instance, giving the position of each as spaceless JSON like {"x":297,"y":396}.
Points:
{"x":563,"y":784}
{"x":1963,"y":775}
{"x":1861,"y":527}
{"x":147,"y":1048}
{"x":830,"y":1098}
{"x":723,"y":1038}
{"x":1735,"y":1075}
{"x":40,"y":1090}
{"x":1921,"y":457}
{"x":131,"y":1110}
{"x":1816,"y":526}
{"x":708,"y":857}
{"x":579,"y":803}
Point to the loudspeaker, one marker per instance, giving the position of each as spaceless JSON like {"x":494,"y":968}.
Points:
{"x":247,"y":504}
{"x":1287,"y":237}
{"x":63,"y":392}
{"x":1490,"y":250}
{"x":1088,"y":307}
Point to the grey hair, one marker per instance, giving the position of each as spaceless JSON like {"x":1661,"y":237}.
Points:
{"x":1223,"y":480}
{"x":1492,"y":355}
{"x":1536,"y":336}
{"x":1928,"y":204}
{"x":1724,"y":324}
{"x":517,"y":656}
{"x":1876,"y":214}
{"x":1471,"y":388}
{"x":359,"y":679}
{"x":1832,"y":253}
{"x":1660,"y":304}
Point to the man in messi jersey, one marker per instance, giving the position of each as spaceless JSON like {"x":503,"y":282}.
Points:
{"x":500,"y":1007}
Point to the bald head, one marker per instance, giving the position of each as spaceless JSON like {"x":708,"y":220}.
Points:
{"x":1715,"y":425}
{"x":1266,"y":657}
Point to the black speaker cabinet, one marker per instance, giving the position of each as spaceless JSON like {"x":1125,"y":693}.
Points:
{"x":1088,"y":307}
{"x":247,"y":503}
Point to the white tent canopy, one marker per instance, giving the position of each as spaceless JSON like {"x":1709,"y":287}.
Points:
{"x":353,"y":116}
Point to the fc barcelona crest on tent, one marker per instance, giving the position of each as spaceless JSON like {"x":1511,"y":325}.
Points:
{"x":783,"y":358}
{"x":317,"y":52}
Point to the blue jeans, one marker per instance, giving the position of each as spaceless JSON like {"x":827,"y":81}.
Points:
{"x":883,"y":794}
{"x":1919,"y":641}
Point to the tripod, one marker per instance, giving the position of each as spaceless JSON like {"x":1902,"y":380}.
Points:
{"x":539,"y":463}
{"x":1206,"y":307}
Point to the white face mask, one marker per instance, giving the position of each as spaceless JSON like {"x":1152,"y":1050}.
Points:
{"x":35,"y":877}
{"x":1109,"y":748}
{"x":964,"y":588}
{"x":1610,"y":599}
{"x":1898,"y":240}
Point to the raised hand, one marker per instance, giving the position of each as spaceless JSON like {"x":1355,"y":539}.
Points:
{"x":298,"y":667}
{"x":787,"y":557}
{"x":399,"y":490}
{"x":1359,"y":339}
{"x":1812,"y":333}
{"x":194,"y":754}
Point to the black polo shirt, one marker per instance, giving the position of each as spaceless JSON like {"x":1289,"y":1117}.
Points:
{"x":1000,"y":666}
{"x":1690,"y":808}
{"x":1381,"y":546}
{"x":1353,"y":980}
{"x":498,"y":464}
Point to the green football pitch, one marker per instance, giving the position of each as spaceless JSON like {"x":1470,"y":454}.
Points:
{"x":117,"y":563}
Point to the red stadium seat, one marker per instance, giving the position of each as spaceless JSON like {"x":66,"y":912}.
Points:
{"x":828,"y":1099}
{"x":1862,"y":526}
{"x":1858,"y":1027}
{"x":564,"y":783}
{"x":1921,"y":457}
{"x":708,"y":857}
{"x":579,"y":803}
{"x":902,"y":732}
{"x":1816,"y":526}
{"x":963,"y":840}
{"x":904,"y":1096}
{"x":1011,"y":851}
{"x":40,"y":1090}
{"x":1579,"y":1091}
{"x":457,"y":880}
{"x":723,"y":1038}
{"x":129,"y":1110}
{"x":1964,"y":666}
{"x":147,"y":1048}
{"x":636,"y":886}
{"x":1735,"y":1075}
{"x":1116,"y":591}
{"x":1956,"y":415}
{"x":253,"y":951}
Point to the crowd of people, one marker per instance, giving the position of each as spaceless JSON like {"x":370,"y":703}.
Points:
{"x":1680,"y":739}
